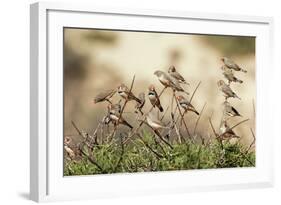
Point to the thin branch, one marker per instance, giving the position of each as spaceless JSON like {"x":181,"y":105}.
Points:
{"x":158,"y":144}
{"x":213,"y":129}
{"x":253,"y":142}
{"x":164,"y":113}
{"x":158,"y":155}
{"x":93,"y":161}
{"x":122,"y":110}
{"x":193,"y":94}
{"x":216,"y":135}
{"x":197,"y":121}
{"x":162,"y":139}
{"x":77,"y":129}
{"x":176,"y":128}
{"x":182,"y":116}
{"x":195,"y":91}
{"x":141,"y":123}
{"x":233,"y":127}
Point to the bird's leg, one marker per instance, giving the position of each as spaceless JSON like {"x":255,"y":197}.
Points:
{"x":108,"y":101}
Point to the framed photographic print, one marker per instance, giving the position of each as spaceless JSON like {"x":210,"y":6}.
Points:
{"x":127,"y":102}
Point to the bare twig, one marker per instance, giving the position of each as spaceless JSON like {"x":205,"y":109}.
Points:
{"x":141,"y":123}
{"x":92,"y":160}
{"x":122,"y":109}
{"x":182,"y":116}
{"x":161,"y":138}
{"x":253,"y":142}
{"x":158,"y":155}
{"x":195,"y":91}
{"x":174,"y":125}
{"x":193,"y":94}
{"x":164,"y":113}
{"x":158,"y":144}
{"x":216,"y":135}
{"x":197,"y":121}
{"x":233,"y":127}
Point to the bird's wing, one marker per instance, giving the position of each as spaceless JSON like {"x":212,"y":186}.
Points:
{"x":235,"y":111}
{"x":177,"y":76}
{"x":227,"y":90}
{"x":102,"y":95}
{"x":231,"y":63}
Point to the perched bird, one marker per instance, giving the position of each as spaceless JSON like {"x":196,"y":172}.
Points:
{"x":228,"y":74}
{"x":104,"y":96}
{"x":169,"y":81}
{"x":232,"y":65}
{"x":155,"y":123}
{"x":125,"y":93}
{"x":226,"y":90}
{"x":114,"y":115}
{"x":139,"y":106}
{"x":106,"y":119}
{"x":186,"y":105}
{"x":172,"y":71}
{"x":226,"y":132}
{"x":230,"y":111}
{"x":71,"y":148}
{"x":154,"y":98}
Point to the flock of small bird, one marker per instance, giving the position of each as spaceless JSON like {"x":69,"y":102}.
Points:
{"x":229,"y":111}
{"x":175,"y":81}
{"x":172,"y":79}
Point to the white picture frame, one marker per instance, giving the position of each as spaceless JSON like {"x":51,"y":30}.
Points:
{"x":46,"y":178}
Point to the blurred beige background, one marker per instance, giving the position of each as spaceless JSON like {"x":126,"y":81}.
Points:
{"x":95,"y":60}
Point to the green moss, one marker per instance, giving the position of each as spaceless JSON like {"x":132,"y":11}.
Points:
{"x":138,"y":158}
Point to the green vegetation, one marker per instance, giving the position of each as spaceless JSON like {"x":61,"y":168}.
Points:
{"x":147,"y":154}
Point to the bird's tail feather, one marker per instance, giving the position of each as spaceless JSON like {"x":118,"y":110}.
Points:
{"x":244,"y":71}
{"x":161,"y":108}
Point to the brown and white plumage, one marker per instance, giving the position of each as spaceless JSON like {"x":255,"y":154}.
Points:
{"x":139,"y":106}
{"x":173,"y":72}
{"x":226,"y":132}
{"x":232,"y":65}
{"x":114,"y":115}
{"x":230,"y":110}
{"x":104,"y":96}
{"x":125,"y":93}
{"x":154,"y":98}
{"x":229,"y":75}
{"x":71,"y":148}
{"x":226,"y":90}
{"x":155,"y":123}
{"x":169,"y":81}
{"x":186,"y":105}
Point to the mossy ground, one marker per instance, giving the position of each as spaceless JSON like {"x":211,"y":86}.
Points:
{"x":138,"y":157}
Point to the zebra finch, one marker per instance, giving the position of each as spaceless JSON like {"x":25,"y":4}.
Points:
{"x":114,"y":115}
{"x":154,"y":98}
{"x":125,"y":93}
{"x":186,"y":105}
{"x":232,"y":65}
{"x":229,"y":75}
{"x":226,"y":90}
{"x":104,"y":96}
{"x":226,"y":132}
{"x":173,"y":72}
{"x":169,"y":81}
{"x":155,"y":123}
{"x":230,"y":110}
{"x":139,"y":106}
